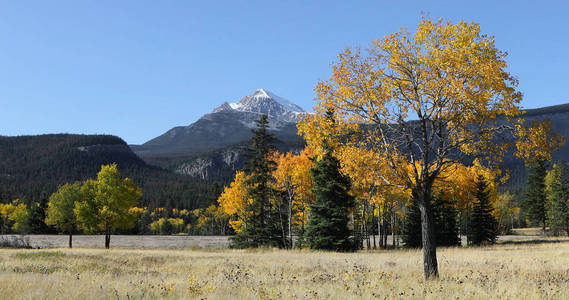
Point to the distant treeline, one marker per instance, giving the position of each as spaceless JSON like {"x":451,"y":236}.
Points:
{"x":32,"y":167}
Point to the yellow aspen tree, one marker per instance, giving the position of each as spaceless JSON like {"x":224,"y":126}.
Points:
{"x":431,"y":98}
{"x":234,"y":202}
{"x":457,"y":184}
{"x":293,"y":178}
{"x":14,"y":215}
{"x":60,"y":207}
{"x":211,"y":217}
{"x":107,"y":202}
{"x":506,"y":211}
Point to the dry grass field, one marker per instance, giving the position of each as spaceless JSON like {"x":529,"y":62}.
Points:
{"x":510,"y":271}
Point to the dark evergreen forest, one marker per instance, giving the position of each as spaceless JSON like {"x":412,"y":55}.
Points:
{"x":32,"y":167}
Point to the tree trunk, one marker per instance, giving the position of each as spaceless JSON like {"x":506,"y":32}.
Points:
{"x":290,"y":222}
{"x":429,"y":247}
{"x":284,"y":238}
{"x":373,"y":231}
{"x":466,"y":223}
{"x":379,"y":231}
{"x":460,"y":227}
{"x":385,"y":230}
{"x":366,"y":231}
{"x":362,"y":222}
{"x":107,"y":239}
{"x":393,"y":220}
{"x":566,"y":224}
{"x":70,"y":240}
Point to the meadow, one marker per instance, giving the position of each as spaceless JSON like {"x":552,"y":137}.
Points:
{"x":512,"y":270}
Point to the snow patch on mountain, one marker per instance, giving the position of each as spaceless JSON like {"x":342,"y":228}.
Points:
{"x":264,"y":94}
{"x":279,"y":110}
{"x":235,"y":106}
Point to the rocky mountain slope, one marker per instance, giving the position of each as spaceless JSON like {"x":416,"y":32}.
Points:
{"x":228,"y":124}
{"x":559,"y":117}
{"x":213,"y":146}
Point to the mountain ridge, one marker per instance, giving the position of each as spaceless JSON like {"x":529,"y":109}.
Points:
{"x":227,"y":124}
{"x":32,"y":167}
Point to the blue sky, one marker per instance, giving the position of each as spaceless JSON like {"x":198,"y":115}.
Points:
{"x":138,"y":68}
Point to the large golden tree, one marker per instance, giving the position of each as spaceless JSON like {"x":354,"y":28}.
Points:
{"x":426,"y":100}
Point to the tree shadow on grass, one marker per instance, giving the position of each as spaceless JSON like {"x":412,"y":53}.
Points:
{"x":530,"y":242}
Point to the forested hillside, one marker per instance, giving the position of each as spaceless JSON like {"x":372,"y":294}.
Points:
{"x":558,"y":115}
{"x":31,"y":168}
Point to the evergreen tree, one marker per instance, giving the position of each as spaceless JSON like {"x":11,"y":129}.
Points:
{"x":535,"y":201}
{"x":411,"y":234}
{"x":444,"y":223}
{"x":557,"y":190}
{"x":483,"y":225}
{"x":36,"y":218}
{"x":166,"y":228}
{"x":265,"y":226}
{"x":444,"y":219}
{"x":143,"y":222}
{"x":327,"y":227}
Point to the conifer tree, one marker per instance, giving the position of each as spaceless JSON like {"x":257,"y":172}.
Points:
{"x":444,"y":223}
{"x":535,"y":201}
{"x":557,"y":190}
{"x":36,"y":217}
{"x":483,"y":225}
{"x":444,"y":219}
{"x":265,"y":225}
{"x":327,"y":227}
{"x":411,"y":234}
{"x":166,"y":228}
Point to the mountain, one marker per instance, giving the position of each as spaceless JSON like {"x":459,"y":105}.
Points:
{"x":32,"y":167}
{"x":212,"y":147}
{"x":559,"y":117}
{"x":265,"y":102}
{"x":228,"y":124}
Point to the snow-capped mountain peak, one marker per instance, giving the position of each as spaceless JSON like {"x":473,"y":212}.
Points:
{"x":264,"y":102}
{"x":261,"y":93}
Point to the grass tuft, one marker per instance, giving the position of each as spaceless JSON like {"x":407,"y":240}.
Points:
{"x":39,"y":254}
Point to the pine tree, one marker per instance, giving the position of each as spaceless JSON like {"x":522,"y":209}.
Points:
{"x":265,"y":224}
{"x":483,"y":225}
{"x":143,"y":223}
{"x":327,"y":227}
{"x":411,"y":234}
{"x":166,"y":227}
{"x":444,"y":219}
{"x":535,"y":201}
{"x":557,"y":190}
{"x":444,"y":224}
{"x":36,"y":218}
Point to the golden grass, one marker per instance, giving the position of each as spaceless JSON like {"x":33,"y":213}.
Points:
{"x":514,"y":271}
{"x":532,"y":231}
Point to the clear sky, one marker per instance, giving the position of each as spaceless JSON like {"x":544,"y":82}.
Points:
{"x":138,"y":68}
